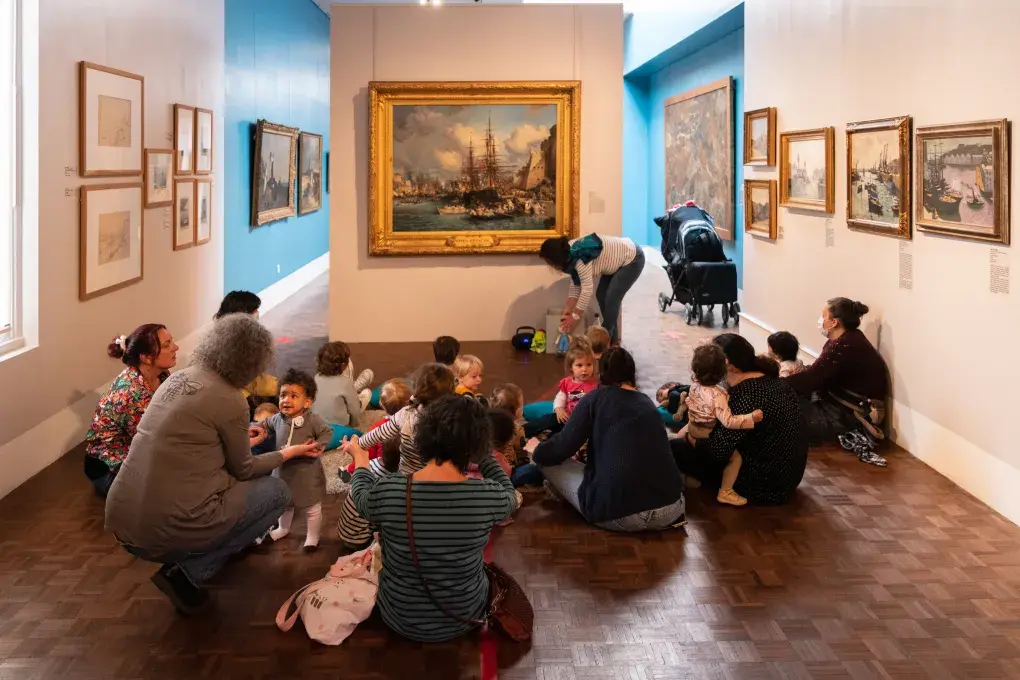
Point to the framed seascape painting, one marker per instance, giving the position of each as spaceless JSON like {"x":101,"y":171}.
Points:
{"x":699,"y":151}
{"x":962,"y":180}
{"x":111,"y":244}
{"x":159,"y":177}
{"x":203,"y":211}
{"x":203,"y":141}
{"x":275,"y":165}
{"x":184,"y":139}
{"x":760,"y":208}
{"x":111,"y":119}
{"x":184,"y":214}
{"x":807,"y":169}
{"x":309,"y":172}
{"x":760,"y":137}
{"x":878,"y":176}
{"x":458,"y":168}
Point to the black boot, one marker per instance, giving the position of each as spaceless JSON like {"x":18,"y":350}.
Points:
{"x":186,"y":597}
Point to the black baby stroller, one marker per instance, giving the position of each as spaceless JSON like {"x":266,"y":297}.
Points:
{"x":699,"y":272}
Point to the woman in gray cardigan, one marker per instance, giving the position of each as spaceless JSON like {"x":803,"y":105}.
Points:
{"x":190,"y":494}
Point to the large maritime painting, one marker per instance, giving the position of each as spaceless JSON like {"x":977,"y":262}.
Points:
{"x":472,"y":167}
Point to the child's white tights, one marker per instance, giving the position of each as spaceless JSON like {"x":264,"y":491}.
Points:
{"x":313,"y":516}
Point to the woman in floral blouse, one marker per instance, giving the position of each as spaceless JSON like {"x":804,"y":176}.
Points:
{"x":149,"y":353}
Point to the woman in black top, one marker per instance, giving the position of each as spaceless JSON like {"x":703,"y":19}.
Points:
{"x":629,"y":482}
{"x":774,"y":452}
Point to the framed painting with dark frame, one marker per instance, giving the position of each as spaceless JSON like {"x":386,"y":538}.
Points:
{"x":807,"y":169}
{"x":203,"y":211}
{"x":184,"y":139}
{"x":112,"y":253}
{"x":309,"y":173}
{"x":203,"y":141}
{"x":184,"y":214}
{"x":878,"y":166}
{"x":273,"y":172}
{"x":760,"y":137}
{"x":760,"y":208}
{"x":159,"y":178}
{"x":962,"y":180}
{"x":111,"y":121}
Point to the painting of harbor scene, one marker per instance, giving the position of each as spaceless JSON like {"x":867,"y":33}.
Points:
{"x":806,"y":169}
{"x":878,"y":163}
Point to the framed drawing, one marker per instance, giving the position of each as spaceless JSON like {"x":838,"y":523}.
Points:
{"x":760,"y":208}
{"x":272,"y":192}
{"x":111,"y":246}
{"x":203,"y":211}
{"x":111,"y":120}
{"x":184,"y":139}
{"x":458,"y":167}
{"x":878,"y":176}
{"x":184,"y":214}
{"x":309,"y":172}
{"x":699,"y":151}
{"x":963,"y":180}
{"x":203,"y":141}
{"x":760,"y":137}
{"x":807,"y":169}
{"x":159,"y":177}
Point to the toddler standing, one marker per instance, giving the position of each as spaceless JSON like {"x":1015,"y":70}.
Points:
{"x":783,"y":347}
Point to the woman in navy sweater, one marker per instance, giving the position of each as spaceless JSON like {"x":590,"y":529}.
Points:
{"x":630,"y":481}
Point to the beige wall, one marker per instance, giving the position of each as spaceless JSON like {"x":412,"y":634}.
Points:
{"x":47,"y":393}
{"x":470,"y":297}
{"x":949,"y":341}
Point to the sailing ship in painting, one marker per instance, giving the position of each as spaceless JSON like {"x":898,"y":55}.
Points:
{"x":875,"y":188}
{"x":806,"y":183}
{"x":958,"y":183}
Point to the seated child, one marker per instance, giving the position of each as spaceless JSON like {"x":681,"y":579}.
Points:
{"x":580,"y":364}
{"x":783,"y":347}
{"x":339,"y":401}
{"x":509,"y":397}
{"x":263,"y":412}
{"x":393,"y":396}
{"x":709,"y":403}
{"x":598,"y":338}
{"x":468,"y":371}
{"x":445,"y":350}
{"x":296,"y":423}
{"x":503,"y":431}
{"x":356,"y":532}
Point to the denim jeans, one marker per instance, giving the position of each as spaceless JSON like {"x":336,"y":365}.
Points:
{"x":264,"y":501}
{"x":100,"y":475}
{"x":612,"y":288}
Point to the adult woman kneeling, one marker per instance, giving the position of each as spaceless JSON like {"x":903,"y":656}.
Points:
{"x":630,"y":481}
{"x":774,"y":453}
{"x":452,"y":518}
{"x":190,"y":494}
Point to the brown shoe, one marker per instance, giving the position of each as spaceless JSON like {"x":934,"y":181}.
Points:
{"x":730,"y":497}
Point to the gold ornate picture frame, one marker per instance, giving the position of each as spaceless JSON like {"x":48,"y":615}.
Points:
{"x":878,"y":176}
{"x":807,"y":169}
{"x":761,"y":208}
{"x":760,"y":137}
{"x":466,"y":168}
{"x":962,"y":180}
{"x":273,"y":173}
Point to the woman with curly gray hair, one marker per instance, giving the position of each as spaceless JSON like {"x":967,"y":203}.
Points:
{"x":190,"y":494}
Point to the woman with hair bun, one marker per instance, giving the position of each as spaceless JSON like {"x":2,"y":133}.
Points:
{"x":148,"y":354}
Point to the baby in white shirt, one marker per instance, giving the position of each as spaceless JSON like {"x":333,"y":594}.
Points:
{"x":783,"y":347}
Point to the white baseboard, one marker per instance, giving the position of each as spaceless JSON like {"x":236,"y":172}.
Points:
{"x":289,"y":285}
{"x":757,"y":333}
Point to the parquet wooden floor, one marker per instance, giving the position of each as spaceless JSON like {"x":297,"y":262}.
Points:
{"x":868,"y":573}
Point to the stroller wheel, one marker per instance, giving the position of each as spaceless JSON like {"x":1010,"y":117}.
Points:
{"x":725,"y":315}
{"x":664,"y":302}
{"x":701,"y":314}
{"x":689,"y":314}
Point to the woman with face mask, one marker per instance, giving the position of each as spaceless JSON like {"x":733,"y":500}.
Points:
{"x":847,"y":386}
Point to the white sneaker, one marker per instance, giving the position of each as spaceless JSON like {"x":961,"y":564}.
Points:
{"x":365,"y":396}
{"x":364,"y":379}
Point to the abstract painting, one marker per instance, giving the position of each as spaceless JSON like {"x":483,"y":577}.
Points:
{"x":159,"y":172}
{"x":878,"y":176}
{"x":203,"y":141}
{"x":699,"y":151}
{"x":275,"y":162}
{"x":184,"y":214}
{"x":184,"y":139}
{"x":111,"y":121}
{"x":807,"y":170}
{"x":110,"y":237}
{"x":962,"y":180}
{"x":760,"y":208}
{"x":760,"y":137}
{"x":472,"y":167}
{"x":309,"y":172}
{"x":203,"y":209}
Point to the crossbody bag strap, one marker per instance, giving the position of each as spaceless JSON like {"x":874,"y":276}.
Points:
{"x":417,"y":567}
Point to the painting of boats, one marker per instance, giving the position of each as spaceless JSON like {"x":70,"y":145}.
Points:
{"x":760,"y":208}
{"x":806,"y":169}
{"x":878,"y":176}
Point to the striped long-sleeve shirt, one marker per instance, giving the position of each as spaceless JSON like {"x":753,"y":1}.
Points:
{"x":452,"y":521}
{"x":354,"y":529}
{"x":616,"y":252}
{"x":401,"y":424}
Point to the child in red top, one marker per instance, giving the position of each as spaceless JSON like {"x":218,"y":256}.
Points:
{"x":580,"y":364}
{"x":393,"y":396}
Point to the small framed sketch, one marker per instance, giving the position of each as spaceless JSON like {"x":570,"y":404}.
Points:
{"x":309,"y":172}
{"x":111,"y":235}
{"x":878,"y":176}
{"x":760,"y":137}
{"x":807,"y":169}
{"x":159,"y":177}
{"x":962,"y":181}
{"x":203,"y":211}
{"x":184,"y":213}
{"x":111,"y":116}
{"x":203,"y":141}
{"x":760,"y":208}
{"x":184,"y":139}
{"x":275,"y":161}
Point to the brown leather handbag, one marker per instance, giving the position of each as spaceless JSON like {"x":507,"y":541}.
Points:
{"x":509,"y":607}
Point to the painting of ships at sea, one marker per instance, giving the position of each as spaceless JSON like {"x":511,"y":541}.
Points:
{"x":878,"y":176}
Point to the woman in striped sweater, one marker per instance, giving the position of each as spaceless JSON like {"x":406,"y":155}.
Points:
{"x":617,"y":263}
{"x":452,"y":517}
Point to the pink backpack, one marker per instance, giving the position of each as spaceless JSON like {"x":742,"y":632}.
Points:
{"x":332,"y":607}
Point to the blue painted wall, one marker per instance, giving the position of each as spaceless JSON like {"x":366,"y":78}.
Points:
{"x":635,"y":160}
{"x":277,"y":68}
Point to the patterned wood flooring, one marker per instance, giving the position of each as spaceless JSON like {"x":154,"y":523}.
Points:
{"x":868,"y":573}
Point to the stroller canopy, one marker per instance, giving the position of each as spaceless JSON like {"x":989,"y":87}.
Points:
{"x":688,"y":235}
